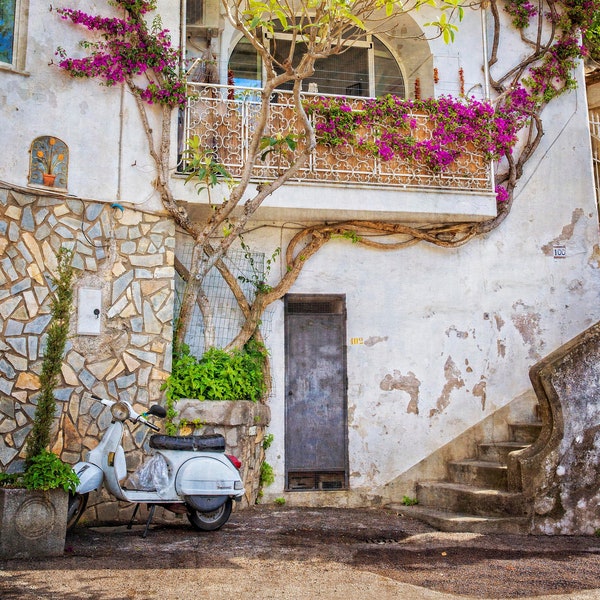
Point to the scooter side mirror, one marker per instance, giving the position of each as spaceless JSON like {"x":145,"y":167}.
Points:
{"x":157,"y":411}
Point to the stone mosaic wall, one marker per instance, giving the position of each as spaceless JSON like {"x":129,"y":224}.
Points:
{"x":126,"y":254}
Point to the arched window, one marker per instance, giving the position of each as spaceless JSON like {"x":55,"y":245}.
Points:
{"x":365,"y":68}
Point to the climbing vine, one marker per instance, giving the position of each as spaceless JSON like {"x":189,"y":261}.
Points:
{"x":509,"y":129}
{"x":127,"y":49}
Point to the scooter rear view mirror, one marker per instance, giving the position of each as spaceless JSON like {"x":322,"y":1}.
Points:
{"x":157,"y":411}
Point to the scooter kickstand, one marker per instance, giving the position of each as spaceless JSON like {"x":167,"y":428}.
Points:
{"x":130,"y":524}
{"x":152,"y":508}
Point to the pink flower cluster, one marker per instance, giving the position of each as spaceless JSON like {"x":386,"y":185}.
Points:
{"x":521,"y":11}
{"x":387,"y":126}
{"x":554,"y":75}
{"x":127,"y":49}
{"x":502,"y":194}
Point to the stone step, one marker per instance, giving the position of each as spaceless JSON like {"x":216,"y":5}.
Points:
{"x":479,"y":473}
{"x":456,"y":522}
{"x":526,"y":433}
{"x":467,"y":499}
{"x":498,"y":451}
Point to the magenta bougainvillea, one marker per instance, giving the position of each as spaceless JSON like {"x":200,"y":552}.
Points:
{"x":126,"y":49}
{"x":387,"y":127}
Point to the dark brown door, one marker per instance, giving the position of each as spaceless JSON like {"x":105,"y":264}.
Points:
{"x":315,"y":392}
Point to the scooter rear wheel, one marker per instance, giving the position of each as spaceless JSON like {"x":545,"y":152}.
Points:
{"x":77,"y":505}
{"x":210,"y":521}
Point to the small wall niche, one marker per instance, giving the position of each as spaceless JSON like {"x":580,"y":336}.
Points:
{"x":49,"y":163}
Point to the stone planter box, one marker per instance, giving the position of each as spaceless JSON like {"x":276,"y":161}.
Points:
{"x":242,"y":423}
{"x":32,"y":523}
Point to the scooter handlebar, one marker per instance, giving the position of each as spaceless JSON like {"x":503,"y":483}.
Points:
{"x":138,"y":418}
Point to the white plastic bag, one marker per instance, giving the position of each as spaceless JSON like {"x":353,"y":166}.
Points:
{"x":151,"y":476}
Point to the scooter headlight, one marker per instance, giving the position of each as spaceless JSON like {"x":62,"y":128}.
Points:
{"x":119,"y":411}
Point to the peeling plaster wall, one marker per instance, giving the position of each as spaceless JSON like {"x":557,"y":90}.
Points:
{"x":451,"y":334}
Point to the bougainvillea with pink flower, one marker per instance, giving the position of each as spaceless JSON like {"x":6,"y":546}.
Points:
{"x":393,"y":130}
{"x":128,"y":48}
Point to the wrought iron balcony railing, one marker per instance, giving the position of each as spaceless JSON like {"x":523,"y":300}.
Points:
{"x":224,"y":118}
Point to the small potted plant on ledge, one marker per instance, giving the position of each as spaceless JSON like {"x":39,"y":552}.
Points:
{"x":33,"y":503}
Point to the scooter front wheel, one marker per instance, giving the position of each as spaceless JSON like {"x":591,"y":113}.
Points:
{"x":212,"y":520}
{"x":76,"y":507}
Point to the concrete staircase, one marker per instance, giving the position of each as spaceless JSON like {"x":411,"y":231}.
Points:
{"x":475,"y":496}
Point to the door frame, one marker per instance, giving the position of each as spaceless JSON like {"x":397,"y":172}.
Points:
{"x":307,"y":299}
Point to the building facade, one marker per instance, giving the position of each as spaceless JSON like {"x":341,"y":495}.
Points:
{"x":384,"y":363}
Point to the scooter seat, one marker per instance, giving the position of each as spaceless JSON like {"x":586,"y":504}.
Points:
{"x":213,"y":442}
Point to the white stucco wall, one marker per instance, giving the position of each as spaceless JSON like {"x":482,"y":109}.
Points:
{"x":100,"y":125}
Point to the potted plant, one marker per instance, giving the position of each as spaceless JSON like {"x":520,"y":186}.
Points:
{"x":33,"y":503}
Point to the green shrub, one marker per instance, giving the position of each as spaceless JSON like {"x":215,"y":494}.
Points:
{"x":56,"y":339}
{"x":218,"y":375}
{"x":267,"y":476}
{"x":44,"y":471}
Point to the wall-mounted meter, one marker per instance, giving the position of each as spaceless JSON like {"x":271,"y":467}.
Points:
{"x":89,"y":309}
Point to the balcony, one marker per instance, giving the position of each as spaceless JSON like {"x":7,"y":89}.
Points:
{"x":342,"y":182}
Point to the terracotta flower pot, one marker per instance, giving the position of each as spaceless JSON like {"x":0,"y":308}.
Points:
{"x":48,"y":179}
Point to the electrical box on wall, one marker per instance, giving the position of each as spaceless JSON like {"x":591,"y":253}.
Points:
{"x":89,"y":308}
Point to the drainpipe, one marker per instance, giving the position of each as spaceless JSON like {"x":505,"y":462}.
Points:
{"x":486,"y":71}
{"x":182,"y":34}
{"x":120,"y":153}
{"x":484,"y":39}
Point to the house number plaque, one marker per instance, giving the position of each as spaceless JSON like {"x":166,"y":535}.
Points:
{"x":560,"y":251}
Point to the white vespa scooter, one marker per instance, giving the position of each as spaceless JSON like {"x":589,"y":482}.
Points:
{"x":189,"y":474}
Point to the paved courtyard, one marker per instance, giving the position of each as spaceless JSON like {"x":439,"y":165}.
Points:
{"x":271,"y":552}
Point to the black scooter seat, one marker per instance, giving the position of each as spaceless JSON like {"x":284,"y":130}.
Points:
{"x":213,"y":442}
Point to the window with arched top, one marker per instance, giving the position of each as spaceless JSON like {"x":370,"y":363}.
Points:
{"x":365,"y":68}
{"x":49,"y":162}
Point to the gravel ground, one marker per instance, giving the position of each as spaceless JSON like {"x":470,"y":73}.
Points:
{"x":274,"y":553}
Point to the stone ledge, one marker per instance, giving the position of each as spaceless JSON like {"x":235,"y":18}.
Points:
{"x":222,"y":412}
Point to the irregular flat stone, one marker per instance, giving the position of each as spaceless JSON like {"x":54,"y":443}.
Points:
{"x":28,"y":381}
{"x":38,"y":325}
